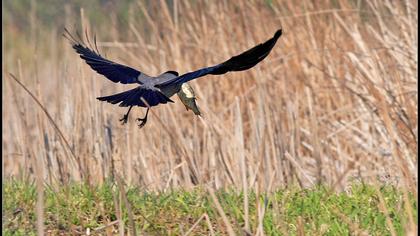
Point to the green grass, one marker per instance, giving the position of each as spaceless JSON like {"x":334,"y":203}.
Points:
{"x":320,"y":211}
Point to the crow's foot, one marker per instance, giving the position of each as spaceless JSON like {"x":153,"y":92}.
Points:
{"x":124,"y":119}
{"x":143,"y":122}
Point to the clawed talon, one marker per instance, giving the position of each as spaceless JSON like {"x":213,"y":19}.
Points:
{"x":124,"y":119}
{"x":143,"y":122}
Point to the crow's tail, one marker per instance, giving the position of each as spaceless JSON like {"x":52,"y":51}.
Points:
{"x":133,"y":98}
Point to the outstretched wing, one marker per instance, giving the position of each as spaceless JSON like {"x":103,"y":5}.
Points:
{"x":240,"y":62}
{"x":133,"y":98}
{"x":111,"y":70}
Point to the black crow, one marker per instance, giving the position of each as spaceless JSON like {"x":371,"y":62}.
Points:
{"x":153,"y":91}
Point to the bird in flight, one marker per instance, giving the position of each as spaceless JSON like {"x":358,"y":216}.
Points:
{"x":155,"y":90}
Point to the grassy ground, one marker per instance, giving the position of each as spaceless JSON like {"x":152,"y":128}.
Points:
{"x":317,"y":211}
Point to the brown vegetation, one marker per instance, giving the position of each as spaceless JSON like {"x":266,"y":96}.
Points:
{"x":334,"y":101}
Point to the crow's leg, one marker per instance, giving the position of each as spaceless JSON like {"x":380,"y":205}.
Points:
{"x":144,"y":119}
{"x":125,"y":117}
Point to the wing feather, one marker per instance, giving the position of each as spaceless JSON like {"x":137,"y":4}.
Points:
{"x":243,"y":61}
{"x":115,"y":72}
{"x":111,"y":70}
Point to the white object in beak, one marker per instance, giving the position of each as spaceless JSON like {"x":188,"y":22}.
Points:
{"x":187,"y":96}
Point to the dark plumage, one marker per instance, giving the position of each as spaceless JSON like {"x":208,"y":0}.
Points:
{"x":153,"y":91}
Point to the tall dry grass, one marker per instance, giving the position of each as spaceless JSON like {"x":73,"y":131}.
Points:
{"x":335,"y":101}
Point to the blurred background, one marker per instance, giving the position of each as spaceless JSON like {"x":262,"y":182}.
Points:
{"x":335,"y":101}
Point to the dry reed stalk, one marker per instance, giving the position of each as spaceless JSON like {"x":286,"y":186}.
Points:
{"x":240,"y":147}
{"x":300,"y":226}
{"x":118,"y":212}
{"x":127,"y":204}
{"x":221,"y":212}
{"x":209,"y":225}
{"x":40,"y":196}
{"x":195,"y":224}
{"x":383,"y":208}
